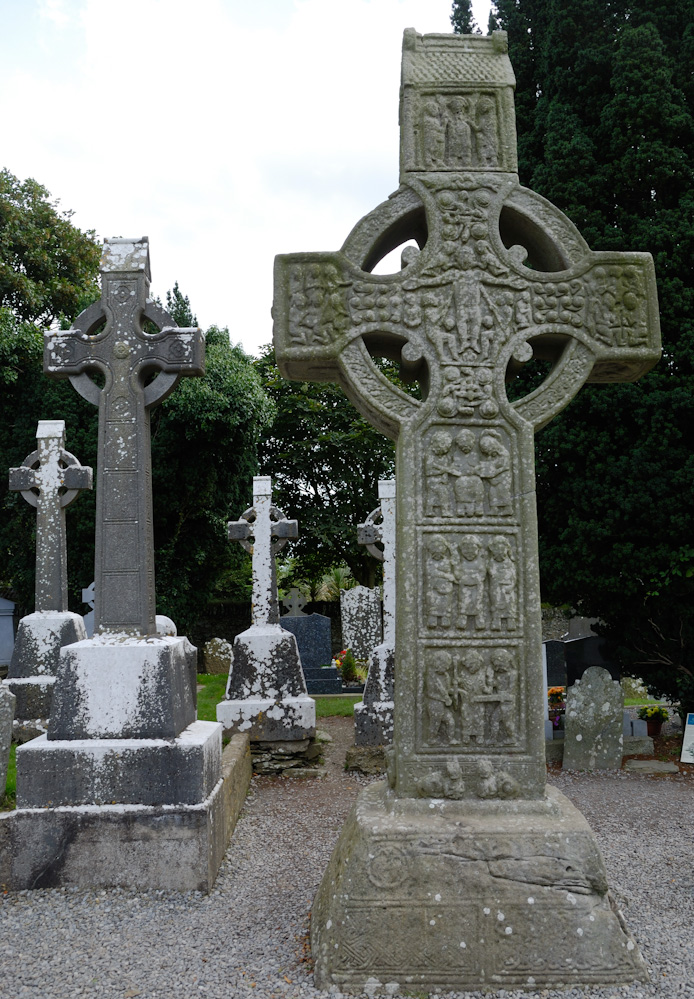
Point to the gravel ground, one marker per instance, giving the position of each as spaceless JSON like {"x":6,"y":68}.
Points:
{"x":248,"y":938}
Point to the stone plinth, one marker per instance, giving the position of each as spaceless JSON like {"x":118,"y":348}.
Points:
{"x":441,"y":895}
{"x":593,"y":723}
{"x":266,"y":693}
{"x":35,"y":659}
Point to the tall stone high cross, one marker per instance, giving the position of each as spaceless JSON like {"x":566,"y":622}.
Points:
{"x":108,"y":339}
{"x":50,"y":479}
{"x":500,"y":276}
{"x":270,"y":531}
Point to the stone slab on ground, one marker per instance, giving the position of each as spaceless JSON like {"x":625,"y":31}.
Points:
{"x":633,"y":746}
{"x":270,"y":720}
{"x":176,"y":847}
{"x":651,"y":767}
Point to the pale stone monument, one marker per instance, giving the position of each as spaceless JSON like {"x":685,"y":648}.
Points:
{"x":594,"y":737}
{"x":126,"y":787}
{"x":360,"y":614}
{"x":266,"y":693}
{"x":466,"y":870}
{"x":373,"y":716}
{"x":50,"y":479}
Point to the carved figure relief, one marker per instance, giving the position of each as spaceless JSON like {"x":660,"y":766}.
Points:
{"x":471,"y":697}
{"x":471,"y":571}
{"x":441,"y":582}
{"x":494,"y":782}
{"x":458,"y":132}
{"x":470,"y":476}
{"x":446,"y":783}
{"x":502,"y":584}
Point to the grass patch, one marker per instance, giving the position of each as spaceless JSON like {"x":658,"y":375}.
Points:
{"x":330,"y":707}
{"x":10,"y":800}
{"x":630,"y":702}
{"x":214,"y":687}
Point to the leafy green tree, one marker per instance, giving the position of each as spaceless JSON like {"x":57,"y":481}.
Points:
{"x":325,"y":461}
{"x":48,"y":266}
{"x":605,"y":113}
{"x":462,"y":19}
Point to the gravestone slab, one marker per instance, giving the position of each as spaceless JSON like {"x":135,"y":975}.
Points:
{"x":556,"y":663}
{"x":123,"y":742}
{"x":7,"y":706}
{"x":446,"y":855}
{"x":373,"y":716}
{"x":217,"y":656}
{"x":266,"y":693}
{"x":593,"y":736}
{"x":88,"y":599}
{"x":360,"y":611}
{"x":6,"y":631}
{"x":50,"y":479}
{"x":312,"y":633}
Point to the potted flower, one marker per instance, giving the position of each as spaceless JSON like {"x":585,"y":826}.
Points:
{"x":654,"y":715}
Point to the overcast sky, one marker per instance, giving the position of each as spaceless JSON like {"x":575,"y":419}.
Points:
{"x":225,"y":130}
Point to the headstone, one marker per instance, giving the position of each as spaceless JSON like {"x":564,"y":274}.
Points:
{"x":140,"y":777}
{"x":549,"y":727}
{"x":312,"y":633}
{"x":581,"y":627}
{"x":266,"y":694}
{"x":360,"y":614}
{"x":7,"y":706}
{"x":88,"y":599}
{"x":556,"y":663}
{"x":430,"y":881}
{"x":373,"y":716}
{"x":593,"y":736}
{"x":582,"y":653}
{"x":217,"y":656}
{"x":50,"y":479}
{"x":6,"y":631}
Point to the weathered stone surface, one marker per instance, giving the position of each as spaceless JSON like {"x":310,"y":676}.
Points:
{"x":431,"y":893}
{"x":170,"y":847}
{"x":366,"y":759}
{"x":500,"y":275}
{"x":373,"y":717}
{"x":180,"y":771}
{"x":122,"y":687}
{"x":266,"y":694}
{"x":360,"y":611}
{"x":217,"y":655}
{"x":651,"y":767}
{"x":7,"y":707}
{"x":126,"y":355}
{"x":593,"y":738}
{"x":36,"y":658}
{"x":633,"y":746}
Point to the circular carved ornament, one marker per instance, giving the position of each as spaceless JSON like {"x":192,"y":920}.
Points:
{"x":388,"y":868}
{"x":121,"y":350}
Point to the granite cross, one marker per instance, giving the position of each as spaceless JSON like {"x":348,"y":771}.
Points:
{"x":126,"y":357}
{"x":500,"y":276}
{"x":270,"y":530}
{"x":380,"y":527}
{"x":51,"y":478}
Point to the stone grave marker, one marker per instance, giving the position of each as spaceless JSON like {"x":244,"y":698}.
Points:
{"x":88,"y":599}
{"x":7,"y":609}
{"x":556,"y":663}
{"x":373,"y":716}
{"x":454,"y":875}
{"x":312,"y":633}
{"x":360,"y":614}
{"x":266,"y":693}
{"x":593,"y":736}
{"x":581,"y":653}
{"x":50,"y":479}
{"x":125,"y":788}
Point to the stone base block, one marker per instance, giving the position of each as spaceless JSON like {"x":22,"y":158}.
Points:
{"x":285,"y":757}
{"x":120,"y":771}
{"x":34,"y":696}
{"x":633,"y":746}
{"x":40,"y":637}
{"x":366,"y":759}
{"x":172,"y":847}
{"x":427,"y":894}
{"x":373,"y":723}
{"x":121,"y":687}
{"x":268,"y":720}
{"x":325,"y":680}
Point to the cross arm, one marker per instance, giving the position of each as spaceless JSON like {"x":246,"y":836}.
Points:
{"x":239,"y":530}
{"x":285,"y":530}
{"x":22,"y":478}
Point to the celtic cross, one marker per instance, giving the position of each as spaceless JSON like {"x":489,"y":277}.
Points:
{"x":270,"y":531}
{"x":500,"y":276}
{"x":380,"y":527}
{"x":108,"y":340}
{"x":50,"y":479}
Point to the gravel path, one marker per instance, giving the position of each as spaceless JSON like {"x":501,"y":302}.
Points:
{"x":247,"y":939}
